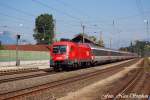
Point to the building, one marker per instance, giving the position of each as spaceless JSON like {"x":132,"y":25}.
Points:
{"x":79,"y":39}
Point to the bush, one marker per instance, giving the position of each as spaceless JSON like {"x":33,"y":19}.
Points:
{"x":1,"y":47}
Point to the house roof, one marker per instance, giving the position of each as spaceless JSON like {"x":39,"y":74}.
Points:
{"x":27,"y":47}
{"x":79,"y":38}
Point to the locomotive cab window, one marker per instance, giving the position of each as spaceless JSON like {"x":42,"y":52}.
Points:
{"x":60,"y":49}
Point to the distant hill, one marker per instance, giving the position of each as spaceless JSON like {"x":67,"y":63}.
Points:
{"x":7,"y":38}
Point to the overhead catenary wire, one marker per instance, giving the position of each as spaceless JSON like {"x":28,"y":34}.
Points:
{"x":59,"y":11}
{"x":138,"y":2}
{"x":29,"y":14}
{"x":46,"y":5}
{"x":140,"y":8}
{"x":17,"y":10}
{"x":141,"y":11}
{"x":67,"y":5}
{"x":32,"y":15}
{"x":14,"y":17}
{"x":19,"y":19}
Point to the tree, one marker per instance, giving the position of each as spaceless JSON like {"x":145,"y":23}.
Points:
{"x":1,"y":47}
{"x":44,"y":29}
{"x":93,"y":38}
{"x":101,"y":43}
{"x":140,"y":47}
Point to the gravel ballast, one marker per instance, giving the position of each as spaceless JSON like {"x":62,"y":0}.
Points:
{"x":92,"y":91}
{"x":26,"y":83}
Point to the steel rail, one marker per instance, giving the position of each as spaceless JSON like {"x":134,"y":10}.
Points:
{"x":50,"y":85}
{"x":131,"y":84}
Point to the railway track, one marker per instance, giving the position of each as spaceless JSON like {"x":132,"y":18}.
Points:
{"x":32,"y":75}
{"x":133,"y":86}
{"x":18,"y":94}
{"x":21,"y":71}
{"x":129,"y":86}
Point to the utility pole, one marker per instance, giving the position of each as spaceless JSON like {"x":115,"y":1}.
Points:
{"x":110,"y":42}
{"x":54,"y":37}
{"x":147,"y":29}
{"x":101,"y":36}
{"x":83,"y":28}
{"x":101,"y":40}
{"x":113,"y":26}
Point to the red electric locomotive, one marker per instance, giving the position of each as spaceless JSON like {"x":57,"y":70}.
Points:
{"x":65,"y":55}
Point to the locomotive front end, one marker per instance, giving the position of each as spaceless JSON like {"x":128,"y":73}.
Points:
{"x":60,"y":55}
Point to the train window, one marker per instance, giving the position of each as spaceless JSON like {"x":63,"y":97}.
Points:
{"x":99,"y":52}
{"x":62,"y":49}
{"x":59,"y":49}
{"x":115,"y":53}
{"x":55,"y":49}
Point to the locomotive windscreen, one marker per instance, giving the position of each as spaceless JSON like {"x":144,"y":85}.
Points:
{"x":59,"y":49}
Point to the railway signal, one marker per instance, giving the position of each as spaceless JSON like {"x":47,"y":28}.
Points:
{"x":17,"y":39}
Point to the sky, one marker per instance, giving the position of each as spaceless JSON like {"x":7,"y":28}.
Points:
{"x":119,"y":21}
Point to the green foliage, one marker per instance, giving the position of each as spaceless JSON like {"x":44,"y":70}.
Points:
{"x":93,"y":38}
{"x":100,"y":42}
{"x":140,"y":47}
{"x":1,"y":47}
{"x":44,"y":29}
